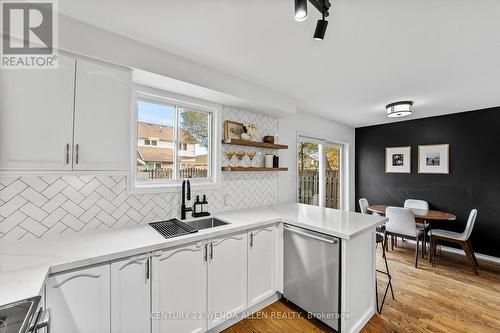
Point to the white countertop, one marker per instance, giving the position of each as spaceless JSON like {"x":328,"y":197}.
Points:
{"x":24,"y":265}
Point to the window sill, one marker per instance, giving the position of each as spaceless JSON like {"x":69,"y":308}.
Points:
{"x":173,"y":187}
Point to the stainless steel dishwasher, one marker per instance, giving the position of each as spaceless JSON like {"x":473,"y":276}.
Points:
{"x":311,"y":273}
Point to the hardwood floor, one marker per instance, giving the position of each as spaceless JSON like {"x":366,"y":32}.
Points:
{"x":445,"y":298}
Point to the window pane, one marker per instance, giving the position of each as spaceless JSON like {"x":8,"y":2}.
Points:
{"x":155,"y":141}
{"x":332,"y":176}
{"x":308,"y":162}
{"x":194,"y":142}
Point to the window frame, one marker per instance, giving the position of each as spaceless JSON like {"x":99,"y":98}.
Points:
{"x":153,"y":95}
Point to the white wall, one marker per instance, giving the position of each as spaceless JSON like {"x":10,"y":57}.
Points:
{"x":312,"y":126}
{"x":84,"y":39}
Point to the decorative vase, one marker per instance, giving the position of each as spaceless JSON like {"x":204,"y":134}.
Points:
{"x":245,"y":136}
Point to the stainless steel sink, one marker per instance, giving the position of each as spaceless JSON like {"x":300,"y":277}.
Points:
{"x":206,"y":223}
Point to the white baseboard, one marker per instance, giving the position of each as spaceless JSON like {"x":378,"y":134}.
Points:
{"x":462,"y":253}
{"x":478,"y":255}
{"x":362,"y":322}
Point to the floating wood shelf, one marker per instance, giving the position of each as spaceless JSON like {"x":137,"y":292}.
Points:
{"x":253,"y":144}
{"x":251,"y":169}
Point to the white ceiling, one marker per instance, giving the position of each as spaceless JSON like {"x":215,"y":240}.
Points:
{"x":442,"y":54}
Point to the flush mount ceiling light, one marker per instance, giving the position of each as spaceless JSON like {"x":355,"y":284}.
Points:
{"x":322,"y":6}
{"x":399,"y":109}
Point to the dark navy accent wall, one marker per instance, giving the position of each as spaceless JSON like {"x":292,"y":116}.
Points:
{"x":473,"y":182}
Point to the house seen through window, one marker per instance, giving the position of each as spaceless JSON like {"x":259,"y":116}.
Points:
{"x":172,"y":142}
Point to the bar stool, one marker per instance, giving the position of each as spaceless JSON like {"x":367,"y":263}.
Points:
{"x":380,"y":240}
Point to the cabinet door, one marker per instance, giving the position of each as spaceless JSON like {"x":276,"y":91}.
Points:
{"x":131,"y":295}
{"x":79,"y":301}
{"x":179,"y":290}
{"x":36,"y":117}
{"x":227,"y":278}
{"x":261,"y":267}
{"x":102,"y":117}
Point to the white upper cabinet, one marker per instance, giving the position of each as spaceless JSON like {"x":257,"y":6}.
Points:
{"x":75,"y":117}
{"x":36,"y":117}
{"x":79,"y":301}
{"x":102,"y":117}
{"x":131,"y":295}
{"x":180,"y":290}
{"x":227,"y":277}
{"x":261,"y":264}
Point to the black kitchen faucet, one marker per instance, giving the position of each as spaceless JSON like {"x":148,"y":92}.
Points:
{"x":185,"y":195}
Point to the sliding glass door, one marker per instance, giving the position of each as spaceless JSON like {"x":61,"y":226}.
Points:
{"x":319,"y":172}
{"x":333,"y":155}
{"x":308,"y":173}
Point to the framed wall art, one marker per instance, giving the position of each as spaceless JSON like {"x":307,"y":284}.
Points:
{"x":434,"y":159}
{"x":398,"y":159}
{"x":232,"y":129}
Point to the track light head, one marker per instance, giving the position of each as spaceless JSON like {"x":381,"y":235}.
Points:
{"x":300,"y":10}
{"x":319,"y":33}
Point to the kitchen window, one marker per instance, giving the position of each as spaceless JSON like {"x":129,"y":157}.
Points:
{"x":319,"y":174}
{"x":183,"y":145}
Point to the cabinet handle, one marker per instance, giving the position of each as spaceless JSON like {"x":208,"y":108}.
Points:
{"x":211,"y":251}
{"x":205,"y":252}
{"x":67,"y":153}
{"x":251,"y":239}
{"x":147,"y":269}
{"x":77,"y":149}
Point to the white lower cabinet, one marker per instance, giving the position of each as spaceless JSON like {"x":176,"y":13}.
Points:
{"x":180,"y":290}
{"x":131,"y":295}
{"x":197,"y":287}
{"x":79,"y":301}
{"x":187,"y":289}
{"x":227,"y":278}
{"x":261,"y":264}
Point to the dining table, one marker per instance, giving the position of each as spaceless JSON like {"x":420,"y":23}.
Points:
{"x":420,"y":214}
{"x":423,"y":215}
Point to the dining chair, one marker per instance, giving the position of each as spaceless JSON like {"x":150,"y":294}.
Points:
{"x":416,"y":204}
{"x":463,"y":239}
{"x":402,"y":224}
{"x":423,"y":205}
{"x":363,"y":205}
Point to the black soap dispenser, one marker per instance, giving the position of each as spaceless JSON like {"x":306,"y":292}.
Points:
{"x":204,"y":205}
{"x":197,"y":206}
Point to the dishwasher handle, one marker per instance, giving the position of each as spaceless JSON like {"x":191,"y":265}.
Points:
{"x":306,"y":234}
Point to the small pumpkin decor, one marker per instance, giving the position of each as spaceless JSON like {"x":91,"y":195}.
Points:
{"x":250,"y":131}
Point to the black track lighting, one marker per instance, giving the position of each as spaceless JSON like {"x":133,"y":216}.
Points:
{"x":323,"y":6}
{"x":320,"y":31}
{"x":300,"y":10}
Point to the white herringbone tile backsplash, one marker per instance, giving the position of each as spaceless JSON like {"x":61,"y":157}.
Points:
{"x":41,"y":206}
